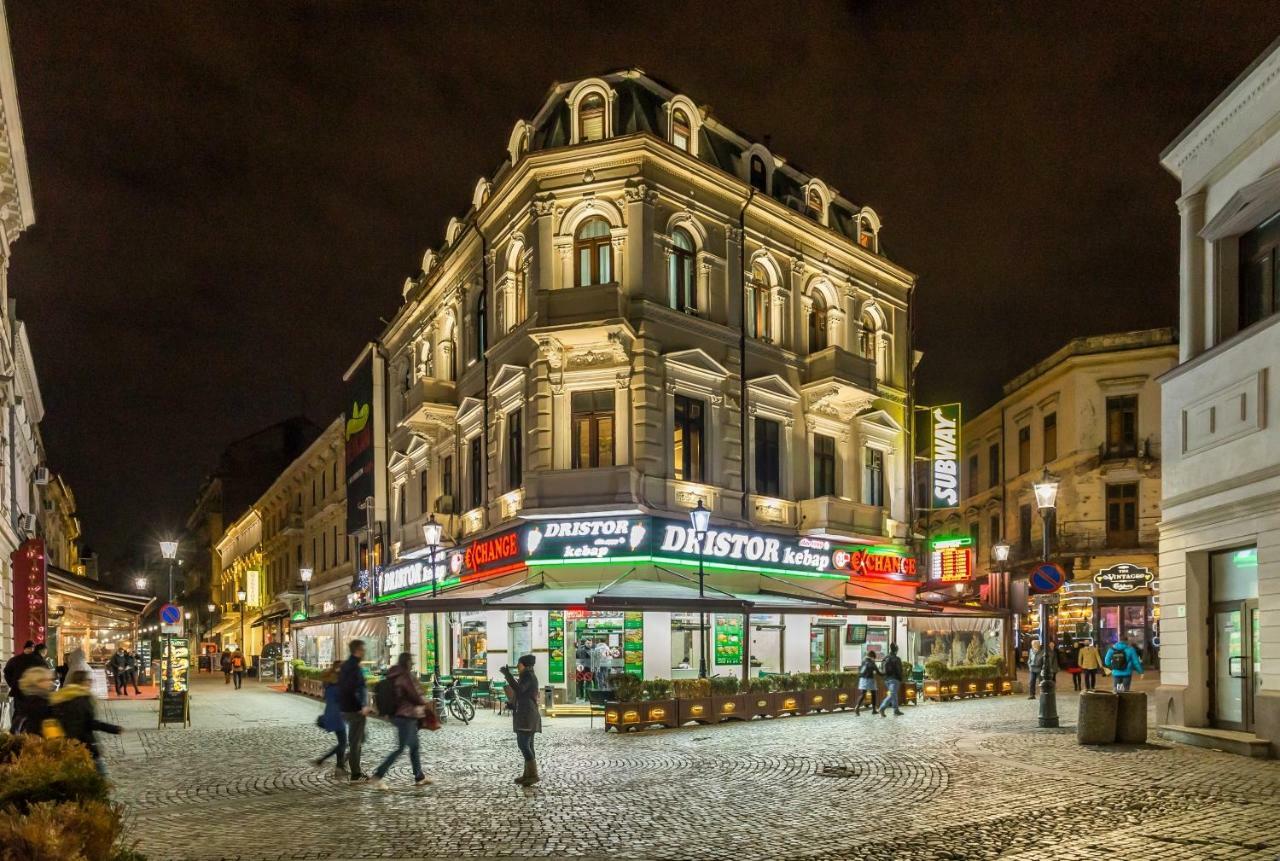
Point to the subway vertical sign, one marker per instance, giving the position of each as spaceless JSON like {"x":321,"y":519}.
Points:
{"x":944,"y":434}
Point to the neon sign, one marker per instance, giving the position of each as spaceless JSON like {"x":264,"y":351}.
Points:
{"x":945,"y":424}
{"x":863,"y":562}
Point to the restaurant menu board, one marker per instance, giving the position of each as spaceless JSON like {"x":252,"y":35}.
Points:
{"x":177,"y":650}
{"x":555,"y":647}
{"x":633,"y":644}
{"x":144,"y":661}
{"x":728,"y":634}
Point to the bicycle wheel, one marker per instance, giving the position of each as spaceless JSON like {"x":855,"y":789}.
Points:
{"x":463,"y":710}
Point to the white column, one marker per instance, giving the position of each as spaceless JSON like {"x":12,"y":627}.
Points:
{"x":1191,"y":307}
{"x":795,"y":643}
{"x":657,"y":645}
{"x":497,"y":641}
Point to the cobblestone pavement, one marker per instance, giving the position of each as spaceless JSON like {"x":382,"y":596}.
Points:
{"x":965,"y":780}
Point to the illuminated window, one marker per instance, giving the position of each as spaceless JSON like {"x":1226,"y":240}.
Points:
{"x":867,"y":338}
{"x":592,"y":423}
{"x":759,"y":324}
{"x":680,"y":282}
{"x":818,"y":324}
{"x":688,"y":449}
{"x":866,"y":235}
{"x":824,"y":465}
{"x":593,"y":253}
{"x":758,"y":175}
{"x":680,"y":132}
{"x":591,"y":118}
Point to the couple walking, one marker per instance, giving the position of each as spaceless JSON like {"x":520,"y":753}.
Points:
{"x":893,"y":678}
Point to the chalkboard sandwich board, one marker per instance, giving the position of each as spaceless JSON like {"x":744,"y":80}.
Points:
{"x":174,"y":708}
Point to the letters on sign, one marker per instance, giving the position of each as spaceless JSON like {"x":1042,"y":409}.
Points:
{"x":863,"y":562}
{"x":1124,"y":577}
{"x":945,"y":426}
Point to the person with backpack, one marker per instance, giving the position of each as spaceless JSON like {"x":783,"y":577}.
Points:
{"x":331,"y":719}
{"x":73,"y":707}
{"x":399,"y":698}
{"x":237,"y":668}
{"x":1089,"y":661}
{"x":1122,"y":662}
{"x":867,"y":682}
{"x":225,"y":665}
{"x":892,"y":681}
{"x":526,"y":718}
{"x":353,"y":702}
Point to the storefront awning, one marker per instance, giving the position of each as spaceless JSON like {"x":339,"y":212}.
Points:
{"x":665,"y":595}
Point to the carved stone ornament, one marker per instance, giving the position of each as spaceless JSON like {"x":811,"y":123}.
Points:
{"x":638,"y":191}
{"x":543,"y":204}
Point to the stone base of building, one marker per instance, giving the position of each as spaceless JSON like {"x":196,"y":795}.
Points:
{"x":1266,"y":719}
{"x":1171,"y":707}
{"x":1171,"y":710}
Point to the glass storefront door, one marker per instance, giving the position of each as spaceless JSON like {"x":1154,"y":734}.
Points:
{"x":824,"y":648}
{"x":1234,"y":637}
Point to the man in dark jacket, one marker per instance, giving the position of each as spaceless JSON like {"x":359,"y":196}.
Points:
{"x":120,"y":670}
{"x":13,"y":670}
{"x":131,"y":673}
{"x":353,"y":700}
{"x":526,"y":719}
{"x":73,"y":708}
{"x":892,"y":681}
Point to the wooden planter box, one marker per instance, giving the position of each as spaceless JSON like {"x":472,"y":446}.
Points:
{"x":966,"y":688}
{"x":846,"y":698}
{"x":639,"y":714}
{"x":310,"y":687}
{"x":820,"y":700}
{"x":699,"y":709}
{"x":731,"y":707}
{"x":760,"y":704}
{"x":788,"y":703}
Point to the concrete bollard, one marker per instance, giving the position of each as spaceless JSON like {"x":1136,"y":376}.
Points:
{"x":1097,"y":719}
{"x":1131,"y":718}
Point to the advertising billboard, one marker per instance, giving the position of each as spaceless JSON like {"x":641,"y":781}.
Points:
{"x":358,"y":441}
{"x":944,"y":456}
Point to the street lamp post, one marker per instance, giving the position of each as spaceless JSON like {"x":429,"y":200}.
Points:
{"x":241,"y":596}
{"x":1046,"y":490}
{"x":169,"y":550}
{"x":701,"y":519}
{"x":306,"y":574}
{"x":431,"y":533}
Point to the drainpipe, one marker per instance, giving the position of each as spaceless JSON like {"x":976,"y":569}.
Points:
{"x":484,"y":358}
{"x":742,"y":351}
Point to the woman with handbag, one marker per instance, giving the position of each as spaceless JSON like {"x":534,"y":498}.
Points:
{"x":526,"y":719}
{"x":331,"y":719}
{"x":407,"y":712}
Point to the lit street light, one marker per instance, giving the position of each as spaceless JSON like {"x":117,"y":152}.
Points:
{"x":431,"y":534}
{"x":1046,"y":490}
{"x":306,"y":574}
{"x":241,"y":595}
{"x":701,"y":519}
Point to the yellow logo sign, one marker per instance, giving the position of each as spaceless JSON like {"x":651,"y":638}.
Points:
{"x":359,"y":418}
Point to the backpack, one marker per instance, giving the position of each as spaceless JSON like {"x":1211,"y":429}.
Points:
{"x":1119,"y":660}
{"x":384,"y":697}
{"x":237,"y":663}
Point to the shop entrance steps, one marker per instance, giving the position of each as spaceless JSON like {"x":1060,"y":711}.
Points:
{"x":569,"y":710}
{"x":1242,"y":743}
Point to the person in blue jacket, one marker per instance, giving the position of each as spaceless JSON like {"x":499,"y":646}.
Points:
{"x":1122,"y":662}
{"x":331,"y":719}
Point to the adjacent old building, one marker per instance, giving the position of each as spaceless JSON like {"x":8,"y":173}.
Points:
{"x":1220,"y":529}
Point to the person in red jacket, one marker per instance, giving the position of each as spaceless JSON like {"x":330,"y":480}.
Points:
{"x":409,"y":708}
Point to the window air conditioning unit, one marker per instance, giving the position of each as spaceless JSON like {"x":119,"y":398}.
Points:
{"x":42,"y":475}
{"x":26,"y":523}
{"x":445,"y":505}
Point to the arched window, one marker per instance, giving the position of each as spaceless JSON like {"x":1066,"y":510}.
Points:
{"x":593,"y":253}
{"x":482,"y":325}
{"x":757,"y":304}
{"x":518,"y":294}
{"x":591,"y":118}
{"x":813,"y":204}
{"x":866,"y":234}
{"x":680,"y":130}
{"x":867,"y":338}
{"x":758,"y":176}
{"x":818,"y":324}
{"x":680,"y":282}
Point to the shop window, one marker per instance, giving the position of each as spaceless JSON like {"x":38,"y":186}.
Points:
{"x":682,"y":287}
{"x":993,"y":465}
{"x":1259,"y":287}
{"x":757,"y":304}
{"x":592,"y":422}
{"x":1122,"y":515}
{"x":824,"y":465}
{"x":818,"y":324}
{"x":872,"y":476}
{"x":768,"y":458}
{"x":688,"y":447}
{"x":1122,"y":426}
{"x":593,"y":253}
{"x":759,"y":179}
{"x":973,"y":475}
{"x":472,"y":650}
{"x":1024,"y":449}
{"x":591,"y":118}
{"x":1050,"y":438}
{"x":680,"y":133}
{"x":515,"y":450}
{"x":1024,"y":530}
{"x":475,"y":471}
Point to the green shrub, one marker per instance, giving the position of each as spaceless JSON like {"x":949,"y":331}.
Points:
{"x":847,"y":681}
{"x":691,"y":689}
{"x":997,"y":661}
{"x":55,"y":770}
{"x":657,"y":689}
{"x":758,"y":685}
{"x":935,"y":669}
{"x":626,"y":687}
{"x":723,"y":686}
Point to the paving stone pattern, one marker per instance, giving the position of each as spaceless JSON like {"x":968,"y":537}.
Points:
{"x":968,"y":780}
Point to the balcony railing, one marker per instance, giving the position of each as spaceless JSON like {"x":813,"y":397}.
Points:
{"x":833,"y":514}
{"x":427,"y":392}
{"x":837,"y":363}
{"x":584,"y":304}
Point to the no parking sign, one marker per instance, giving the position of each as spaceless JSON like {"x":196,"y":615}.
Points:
{"x":170,"y":619}
{"x":1049,"y":577}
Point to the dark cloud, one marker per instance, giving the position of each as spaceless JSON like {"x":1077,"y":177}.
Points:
{"x":229,"y":195}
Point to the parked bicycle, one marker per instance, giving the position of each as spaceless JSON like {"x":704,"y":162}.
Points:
{"x":449,"y":699}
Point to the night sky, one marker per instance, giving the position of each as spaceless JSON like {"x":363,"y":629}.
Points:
{"x":229,"y":195}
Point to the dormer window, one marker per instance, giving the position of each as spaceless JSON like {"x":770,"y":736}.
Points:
{"x":813,"y":205}
{"x":591,"y":118}
{"x":866,"y":234}
{"x":593,"y":253}
{"x":682,"y":287}
{"x":680,"y":130}
{"x":758,"y":176}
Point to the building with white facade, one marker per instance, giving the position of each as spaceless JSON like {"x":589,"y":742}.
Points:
{"x":640,"y":313}
{"x":1220,"y":526}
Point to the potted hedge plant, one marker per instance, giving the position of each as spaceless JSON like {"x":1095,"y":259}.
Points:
{"x":693,"y":701}
{"x":789,"y":698}
{"x":820,"y":692}
{"x":659,"y":706}
{"x":728,"y":701}
{"x":846,"y":686}
{"x":759,"y":696}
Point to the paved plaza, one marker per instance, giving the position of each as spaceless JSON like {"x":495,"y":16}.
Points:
{"x":946,"y":781}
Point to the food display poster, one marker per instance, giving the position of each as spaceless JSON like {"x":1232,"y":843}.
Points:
{"x":555,"y":646}
{"x":633,"y":644}
{"x":728,"y":637}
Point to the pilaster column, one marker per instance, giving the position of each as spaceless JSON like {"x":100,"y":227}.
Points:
{"x":1192,"y":318}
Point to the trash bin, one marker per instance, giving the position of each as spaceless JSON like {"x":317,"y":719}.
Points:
{"x":1131,"y":718}
{"x":1097,"y":720}
{"x":548,"y":693}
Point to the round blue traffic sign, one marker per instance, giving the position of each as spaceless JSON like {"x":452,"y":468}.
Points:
{"x":1049,"y":577}
{"x":170,"y":614}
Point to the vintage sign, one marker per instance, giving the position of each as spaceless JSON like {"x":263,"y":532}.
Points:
{"x":1123,"y":577}
{"x":944,"y":423}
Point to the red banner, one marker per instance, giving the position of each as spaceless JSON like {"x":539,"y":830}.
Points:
{"x":30,"y":593}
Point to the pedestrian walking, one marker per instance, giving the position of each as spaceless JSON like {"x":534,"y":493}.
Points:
{"x":583,"y":676}
{"x":225,"y":664}
{"x":526,"y":719}
{"x":1068,"y":657}
{"x":867,"y":682}
{"x":331,"y":719}
{"x":1122,"y":662}
{"x":1035,"y":663}
{"x":353,"y":702}
{"x":600,"y":657}
{"x":118,"y":663}
{"x":74,"y":709}
{"x":131,"y":673}
{"x":33,"y":709}
{"x":237,"y":668}
{"x":13,"y":670}
{"x":1088,"y":659}
{"x":399,"y":697}
{"x":892,"y":681}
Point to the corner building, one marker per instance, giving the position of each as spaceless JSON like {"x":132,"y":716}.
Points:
{"x":642,"y":311}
